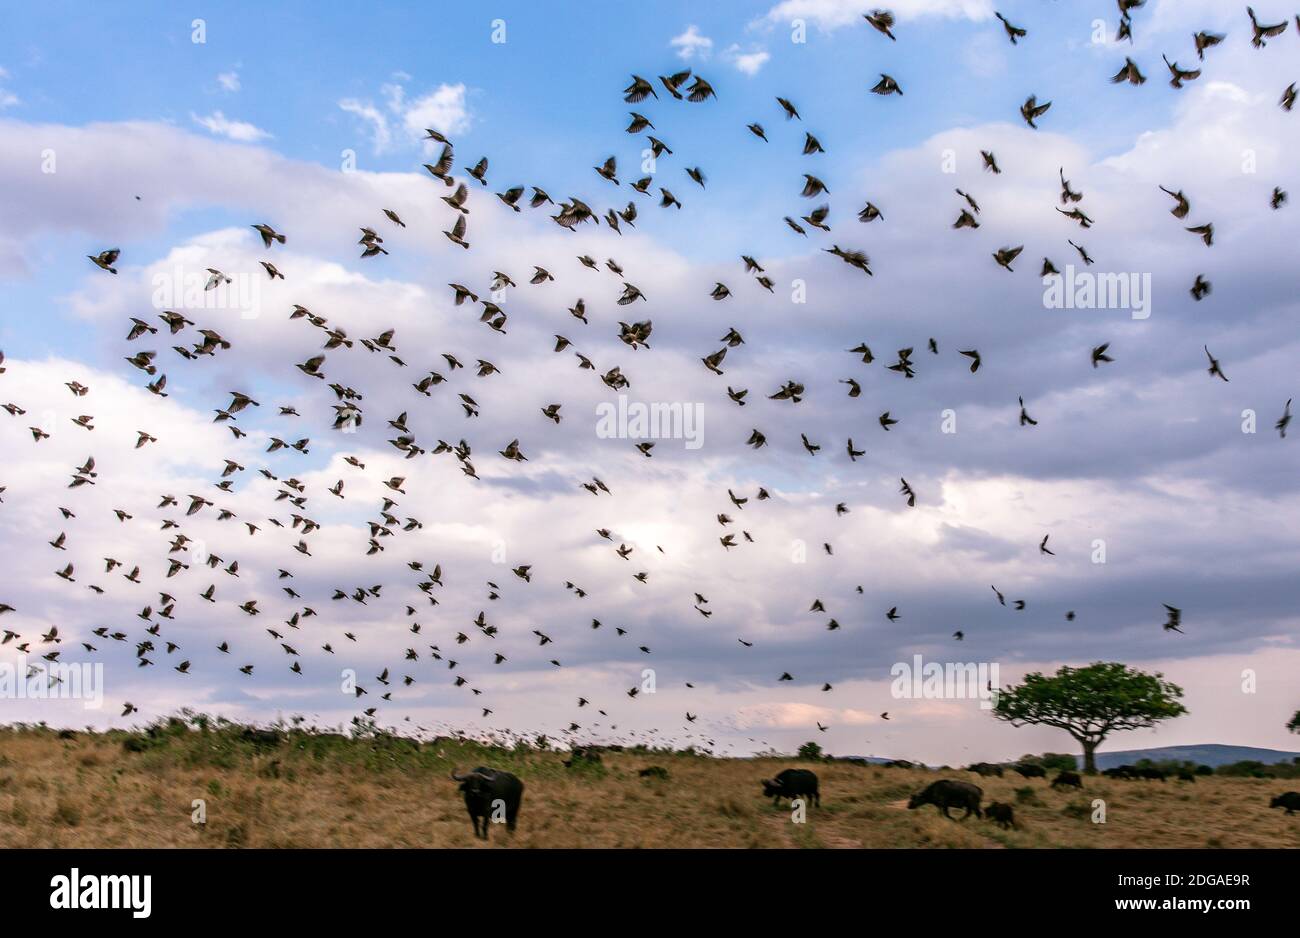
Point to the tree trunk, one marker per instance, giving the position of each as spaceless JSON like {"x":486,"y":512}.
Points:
{"x":1089,"y":753}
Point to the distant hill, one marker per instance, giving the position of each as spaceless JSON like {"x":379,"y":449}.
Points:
{"x":1213,"y":754}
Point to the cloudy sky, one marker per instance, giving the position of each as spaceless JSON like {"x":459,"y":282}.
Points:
{"x":167,"y":134}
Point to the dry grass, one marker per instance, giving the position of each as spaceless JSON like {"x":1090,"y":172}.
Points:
{"x":320,"y":791}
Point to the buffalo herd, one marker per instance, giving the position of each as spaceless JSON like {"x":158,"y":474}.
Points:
{"x":492,"y":795}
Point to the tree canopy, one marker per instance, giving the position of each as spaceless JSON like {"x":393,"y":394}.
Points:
{"x":1090,"y":702}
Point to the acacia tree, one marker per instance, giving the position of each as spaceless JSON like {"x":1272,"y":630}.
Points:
{"x":1090,"y":703}
{"x":1294,"y":725}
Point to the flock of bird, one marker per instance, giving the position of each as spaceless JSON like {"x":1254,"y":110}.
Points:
{"x":293,"y":640}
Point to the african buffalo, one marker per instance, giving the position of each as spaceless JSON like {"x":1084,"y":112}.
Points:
{"x":583,"y":755}
{"x":1149,"y":772}
{"x":1002,"y":814}
{"x":1120,"y":771}
{"x":488,"y":791}
{"x":1067,"y":780}
{"x":1290,"y":801}
{"x":267,"y":739}
{"x":1028,"y":770}
{"x":792,"y":783}
{"x":986,"y":769}
{"x":949,"y":793}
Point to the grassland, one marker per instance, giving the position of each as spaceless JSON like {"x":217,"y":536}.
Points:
{"x":320,"y":790}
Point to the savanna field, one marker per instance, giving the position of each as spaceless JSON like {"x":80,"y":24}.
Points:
{"x":122,"y":789}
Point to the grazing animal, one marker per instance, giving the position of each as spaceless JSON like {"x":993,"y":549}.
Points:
{"x":485,"y":791}
{"x":264,"y":738}
{"x":1149,"y":773}
{"x":950,"y":793}
{"x":1031,"y":771}
{"x":1067,"y":780}
{"x":1002,"y":814}
{"x":792,"y":783}
{"x":582,"y":755}
{"x":1290,"y":801}
{"x":1120,"y":771}
{"x":986,"y":769}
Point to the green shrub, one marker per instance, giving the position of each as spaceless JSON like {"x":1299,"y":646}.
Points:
{"x":811,"y":752}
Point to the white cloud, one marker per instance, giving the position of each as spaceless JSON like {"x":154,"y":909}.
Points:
{"x":7,"y":97}
{"x":691,"y":44}
{"x":796,"y":716}
{"x":381,"y":137}
{"x":240,"y":131}
{"x":442,"y":109}
{"x":984,"y":504}
{"x":229,"y":81}
{"x":747,"y":63}
{"x":834,"y":14}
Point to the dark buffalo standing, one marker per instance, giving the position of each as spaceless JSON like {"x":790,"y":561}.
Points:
{"x":1151,"y":773}
{"x":986,"y":769}
{"x":485,"y":789}
{"x":267,"y":739}
{"x":1121,"y":771}
{"x":1067,"y":780}
{"x":1002,"y":814}
{"x":1031,"y":771}
{"x":949,"y":793}
{"x":792,"y":783}
{"x":583,"y":755}
{"x":1290,"y":801}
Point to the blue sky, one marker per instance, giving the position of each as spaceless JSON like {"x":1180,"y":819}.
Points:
{"x":548,"y":85}
{"x":251,"y":126}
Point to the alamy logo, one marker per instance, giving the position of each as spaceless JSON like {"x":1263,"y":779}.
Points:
{"x":1085,"y":290}
{"x":661,"y":420}
{"x":57,"y":680}
{"x":103,"y":892}
{"x":948,"y":680}
{"x":180,"y":288}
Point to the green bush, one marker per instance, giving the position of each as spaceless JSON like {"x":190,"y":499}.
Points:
{"x":811,"y":752}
